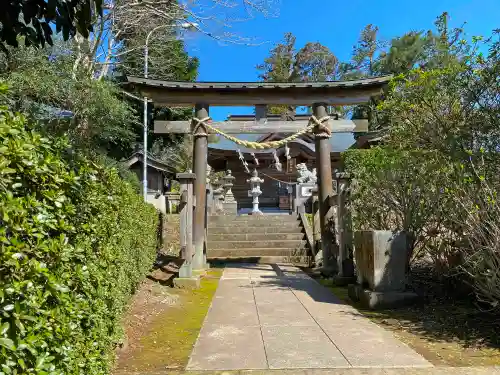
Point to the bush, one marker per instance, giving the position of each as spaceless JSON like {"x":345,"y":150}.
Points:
{"x":440,"y":147}
{"x":75,"y":242}
{"x":399,"y":190}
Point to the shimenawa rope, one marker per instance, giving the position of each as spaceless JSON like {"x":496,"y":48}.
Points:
{"x":273,"y":178}
{"x":313,"y":122}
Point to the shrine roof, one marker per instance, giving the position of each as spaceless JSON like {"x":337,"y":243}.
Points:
{"x":138,"y":157}
{"x":377,"y":81}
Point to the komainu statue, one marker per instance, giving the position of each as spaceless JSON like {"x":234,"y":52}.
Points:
{"x":306,"y":176}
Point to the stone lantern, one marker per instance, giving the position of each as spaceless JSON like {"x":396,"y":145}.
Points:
{"x":230,"y":205}
{"x":218,"y":196}
{"x":255,"y":191}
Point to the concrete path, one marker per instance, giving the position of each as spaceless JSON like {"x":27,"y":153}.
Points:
{"x":346,"y":371}
{"x":277,"y":317}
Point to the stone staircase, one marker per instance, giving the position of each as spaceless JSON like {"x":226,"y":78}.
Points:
{"x":257,"y":239}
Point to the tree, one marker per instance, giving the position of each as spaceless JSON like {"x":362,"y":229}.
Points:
{"x":313,"y":62}
{"x":405,"y":53}
{"x":416,"y":49}
{"x":133,"y":27}
{"x":33,"y":19}
{"x":92,"y":113}
{"x":124,"y":26}
{"x":365,"y":52}
{"x":439,"y":161}
{"x":365,"y":55}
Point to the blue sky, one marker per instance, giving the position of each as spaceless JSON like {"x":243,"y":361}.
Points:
{"x":334,"y":23}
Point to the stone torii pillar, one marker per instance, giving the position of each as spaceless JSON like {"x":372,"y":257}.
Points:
{"x":325,"y":188}
{"x":200,"y":149}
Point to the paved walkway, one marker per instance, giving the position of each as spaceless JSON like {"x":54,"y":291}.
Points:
{"x":348,"y":371}
{"x":277,"y":317}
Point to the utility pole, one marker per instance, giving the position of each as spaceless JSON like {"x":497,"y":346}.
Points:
{"x":186,"y":26}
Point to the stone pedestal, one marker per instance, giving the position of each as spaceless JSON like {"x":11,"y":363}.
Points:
{"x":303,"y":193}
{"x":381,"y":259}
{"x":230,"y":208}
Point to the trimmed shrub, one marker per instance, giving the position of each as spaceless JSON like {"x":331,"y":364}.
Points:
{"x":75,"y":242}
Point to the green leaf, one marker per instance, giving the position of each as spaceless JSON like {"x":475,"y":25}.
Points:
{"x":4,"y":328}
{"x":7,"y":343}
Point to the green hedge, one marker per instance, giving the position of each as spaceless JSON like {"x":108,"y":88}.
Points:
{"x":75,"y":242}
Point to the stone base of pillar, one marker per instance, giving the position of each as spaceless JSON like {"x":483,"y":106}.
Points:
{"x":199,"y":262}
{"x":187,"y":282}
{"x":186,"y":270}
{"x":380,"y":300}
{"x":230,"y":208}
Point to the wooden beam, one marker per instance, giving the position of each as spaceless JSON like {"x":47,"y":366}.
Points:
{"x":254,"y":127}
{"x":301,"y":98}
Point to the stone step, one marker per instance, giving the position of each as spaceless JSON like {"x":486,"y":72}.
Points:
{"x":231,"y":219}
{"x":253,"y":229}
{"x":274,"y":259}
{"x":254,"y":236}
{"x":254,"y":252}
{"x":294,"y":244}
{"x":256,"y":223}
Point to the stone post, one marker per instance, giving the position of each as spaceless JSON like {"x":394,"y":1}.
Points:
{"x":325,"y":189}
{"x":230,"y":206}
{"x":316,"y":221}
{"x":345,"y":257}
{"x":186,"y":221}
{"x":200,"y":149}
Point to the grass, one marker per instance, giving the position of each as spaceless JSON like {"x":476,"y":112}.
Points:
{"x":168,"y":340}
{"x":446,"y":332}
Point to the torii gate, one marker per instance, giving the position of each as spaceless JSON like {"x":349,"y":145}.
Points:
{"x":318,"y":95}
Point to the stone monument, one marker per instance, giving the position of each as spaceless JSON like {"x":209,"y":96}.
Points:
{"x":255,"y":191}
{"x":381,"y":260}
